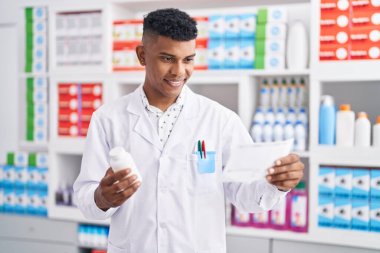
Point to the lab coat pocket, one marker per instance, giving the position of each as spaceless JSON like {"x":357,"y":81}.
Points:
{"x":201,"y":174}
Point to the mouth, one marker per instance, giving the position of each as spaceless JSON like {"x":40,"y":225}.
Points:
{"x":175,"y":83}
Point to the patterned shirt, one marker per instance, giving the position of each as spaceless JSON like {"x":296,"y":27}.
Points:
{"x":164,"y":121}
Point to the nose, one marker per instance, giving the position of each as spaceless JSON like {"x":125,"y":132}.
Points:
{"x":178,"y":69}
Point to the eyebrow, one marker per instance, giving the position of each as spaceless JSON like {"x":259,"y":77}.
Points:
{"x":171,"y":55}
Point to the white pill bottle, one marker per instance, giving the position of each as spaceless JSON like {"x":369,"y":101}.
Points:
{"x":121,"y":159}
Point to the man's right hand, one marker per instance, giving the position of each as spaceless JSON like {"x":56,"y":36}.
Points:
{"x":115,"y":188}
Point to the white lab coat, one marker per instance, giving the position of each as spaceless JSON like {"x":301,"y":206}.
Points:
{"x":176,"y":209}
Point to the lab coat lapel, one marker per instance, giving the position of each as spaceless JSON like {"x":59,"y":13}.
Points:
{"x":141,"y":123}
{"x":183,"y":129}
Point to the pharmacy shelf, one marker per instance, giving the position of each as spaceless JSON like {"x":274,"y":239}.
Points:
{"x":72,"y":214}
{"x":347,"y":156}
{"x":317,"y":235}
{"x":135,"y":5}
{"x":349,"y":71}
{"x":67,"y":145}
{"x":33,"y":146}
{"x":268,"y":233}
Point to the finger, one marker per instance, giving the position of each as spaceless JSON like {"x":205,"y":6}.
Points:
{"x":291,"y":158}
{"x":124,"y":183}
{"x":127,"y":193}
{"x":286,"y":185}
{"x":285,"y":176}
{"x":110,"y":179}
{"x":286,"y":168}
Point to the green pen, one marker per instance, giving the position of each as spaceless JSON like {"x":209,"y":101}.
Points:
{"x":200,"y":148}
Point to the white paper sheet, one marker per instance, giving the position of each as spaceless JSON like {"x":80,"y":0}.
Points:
{"x":250,"y":162}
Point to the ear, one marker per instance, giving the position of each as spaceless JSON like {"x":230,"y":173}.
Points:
{"x":141,"y":54}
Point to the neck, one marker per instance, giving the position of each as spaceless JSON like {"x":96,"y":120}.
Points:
{"x":161,"y":102}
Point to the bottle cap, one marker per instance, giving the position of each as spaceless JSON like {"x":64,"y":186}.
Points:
{"x":327,"y":100}
{"x":378,"y":120}
{"x":362,"y":115}
{"x":345,"y":107}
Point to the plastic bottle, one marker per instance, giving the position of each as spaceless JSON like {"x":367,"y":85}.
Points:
{"x":265,"y":94}
{"x":302,"y":116}
{"x":299,"y":137}
{"x":278,"y":131}
{"x":345,"y":126}
{"x":362,"y":130}
{"x":259,"y":116}
{"x":269,"y":116}
{"x":275,"y":94}
{"x":327,"y":121}
{"x":121,"y":159}
{"x":289,"y":131}
{"x":297,"y":46}
{"x":376,"y":133}
{"x":283,"y":93}
{"x":298,"y":213}
{"x":300,"y":93}
{"x":257,"y":132}
{"x":291,"y":116}
{"x":280,"y":116}
{"x":267,"y":132}
{"x":292,"y":93}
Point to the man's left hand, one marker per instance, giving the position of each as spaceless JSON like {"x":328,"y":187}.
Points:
{"x":286,"y":173}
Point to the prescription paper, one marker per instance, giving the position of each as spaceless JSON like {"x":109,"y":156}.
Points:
{"x":249,"y":163}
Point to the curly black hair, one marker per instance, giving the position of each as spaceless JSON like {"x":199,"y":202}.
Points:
{"x":171,"y":23}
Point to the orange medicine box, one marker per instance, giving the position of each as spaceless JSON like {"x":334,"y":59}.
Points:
{"x":68,"y":102}
{"x":84,"y":128}
{"x":366,"y":18}
{"x":333,"y":19}
{"x":365,"y":34}
{"x":67,"y":115}
{"x":334,"y":35}
{"x":365,"y":51}
{"x":68,"y":89}
{"x":335,"y":6}
{"x":67,"y":129}
{"x":92,"y":89}
{"x":91,"y":103}
{"x":86,"y":115}
{"x":365,"y":5}
{"x":333,"y":52}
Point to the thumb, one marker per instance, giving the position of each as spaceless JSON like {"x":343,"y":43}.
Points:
{"x":109,"y":172}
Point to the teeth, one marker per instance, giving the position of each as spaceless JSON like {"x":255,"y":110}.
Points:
{"x":175,"y":83}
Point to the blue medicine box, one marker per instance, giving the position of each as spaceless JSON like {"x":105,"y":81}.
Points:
{"x":375,"y":185}
{"x":215,"y":54}
{"x":360,"y":184}
{"x":343,"y":183}
{"x":342,"y":213}
{"x":216,"y":26}
{"x":248,"y":25}
{"x":326,"y":181}
{"x":360,"y":215}
{"x":232,"y":54}
{"x":375,"y":216}
{"x":247,"y":54}
{"x":232,"y":26}
{"x":325,"y":211}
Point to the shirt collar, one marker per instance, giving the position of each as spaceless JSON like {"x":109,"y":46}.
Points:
{"x":180,"y":101}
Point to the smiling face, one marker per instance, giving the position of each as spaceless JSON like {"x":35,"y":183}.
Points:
{"x":168,"y":64}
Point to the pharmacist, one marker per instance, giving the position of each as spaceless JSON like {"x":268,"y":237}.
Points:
{"x":179,"y":205}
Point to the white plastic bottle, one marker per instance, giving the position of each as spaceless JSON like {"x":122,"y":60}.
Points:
{"x":301,"y":93}
{"x":291,"y":116}
{"x":278,"y":131}
{"x":302,"y":116}
{"x":292,"y":93}
{"x":267,"y":132}
{"x":283,"y":93}
{"x":345,"y":126}
{"x":265,"y":94}
{"x":257,"y":132}
{"x":121,"y":159}
{"x":297,"y":46}
{"x":376,"y":133}
{"x":299,"y":137}
{"x":289,"y":131}
{"x":362,"y":130}
{"x":269,"y":116}
{"x":280,"y":116}
{"x":275,"y":94}
{"x":259,"y":116}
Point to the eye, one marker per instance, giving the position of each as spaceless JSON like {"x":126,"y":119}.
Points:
{"x":189,"y":59}
{"x":167,"y":58}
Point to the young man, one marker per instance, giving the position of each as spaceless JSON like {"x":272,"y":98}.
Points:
{"x":179,"y":206}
